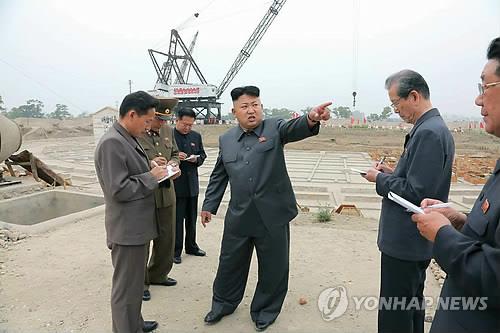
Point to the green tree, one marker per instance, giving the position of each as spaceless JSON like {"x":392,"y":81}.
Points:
{"x":386,"y":113}
{"x":2,"y":108}
{"x":343,"y":112}
{"x":278,"y":113}
{"x":83,"y":114}
{"x":61,"y":112}
{"x":373,"y":117}
{"x":32,"y":109}
{"x":305,"y":110}
{"x":335,"y":112}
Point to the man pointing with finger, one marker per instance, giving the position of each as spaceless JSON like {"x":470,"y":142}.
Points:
{"x":252,"y":160}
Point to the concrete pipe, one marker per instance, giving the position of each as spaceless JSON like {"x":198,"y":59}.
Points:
{"x":10,"y":138}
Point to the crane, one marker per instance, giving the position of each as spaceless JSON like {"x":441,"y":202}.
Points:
{"x":250,"y":45}
{"x":184,"y":64}
{"x":202,"y":97}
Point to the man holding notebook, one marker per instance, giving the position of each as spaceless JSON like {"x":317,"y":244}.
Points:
{"x":423,"y":170}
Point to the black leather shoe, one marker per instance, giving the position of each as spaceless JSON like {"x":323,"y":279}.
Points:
{"x":198,"y":253}
{"x":262,"y":325}
{"x":177,"y":260}
{"x":149,"y":326}
{"x":213,"y":318}
{"x":167,"y":282}
{"x":146,"y":296}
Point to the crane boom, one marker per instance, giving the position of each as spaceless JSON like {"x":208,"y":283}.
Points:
{"x":251,"y":44}
{"x":184,"y":63}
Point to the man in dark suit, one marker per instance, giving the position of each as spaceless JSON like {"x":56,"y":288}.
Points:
{"x":192,"y":156}
{"x":159,"y":145}
{"x":252,"y":160}
{"x":467,"y":247}
{"x":128,"y":182}
{"x":423,"y":170}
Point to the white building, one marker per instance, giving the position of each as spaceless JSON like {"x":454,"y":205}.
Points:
{"x":102,"y":120}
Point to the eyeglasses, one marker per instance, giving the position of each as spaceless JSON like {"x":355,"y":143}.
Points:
{"x":482,"y":87}
{"x":395,"y":104}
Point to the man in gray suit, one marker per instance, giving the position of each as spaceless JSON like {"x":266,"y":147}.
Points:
{"x":262,"y":204}
{"x":467,"y":247}
{"x":128,"y":181}
{"x":423,"y":170}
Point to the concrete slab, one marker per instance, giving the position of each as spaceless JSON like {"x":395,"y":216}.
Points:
{"x":320,"y":178}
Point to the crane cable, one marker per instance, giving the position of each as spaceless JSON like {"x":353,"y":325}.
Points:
{"x":355,"y":50}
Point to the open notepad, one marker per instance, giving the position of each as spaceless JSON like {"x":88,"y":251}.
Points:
{"x":405,"y":203}
{"x":170,"y":173}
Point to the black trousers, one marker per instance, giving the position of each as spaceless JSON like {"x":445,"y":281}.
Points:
{"x":402,"y":287}
{"x":273,"y":248}
{"x":186,"y":213}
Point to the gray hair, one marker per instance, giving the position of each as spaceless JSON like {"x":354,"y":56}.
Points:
{"x":408,"y":80}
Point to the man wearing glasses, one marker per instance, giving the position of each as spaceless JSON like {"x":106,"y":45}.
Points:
{"x":251,"y":158}
{"x":467,"y":247}
{"x":160,"y":147}
{"x":423,"y":170}
{"x":192,"y":155}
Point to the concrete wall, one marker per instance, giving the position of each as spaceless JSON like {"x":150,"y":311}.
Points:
{"x":39,"y":207}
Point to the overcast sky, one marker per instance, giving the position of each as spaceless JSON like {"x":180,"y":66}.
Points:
{"x":82,"y":53}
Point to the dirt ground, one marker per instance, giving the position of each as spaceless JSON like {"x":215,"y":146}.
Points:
{"x":60,"y":281}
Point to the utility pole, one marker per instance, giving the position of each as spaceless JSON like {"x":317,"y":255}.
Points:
{"x":130,"y":86}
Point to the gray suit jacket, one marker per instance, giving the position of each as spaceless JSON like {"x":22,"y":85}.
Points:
{"x":471,"y":259}
{"x":254,"y":165}
{"x":122,"y":168}
{"x":423,"y":171}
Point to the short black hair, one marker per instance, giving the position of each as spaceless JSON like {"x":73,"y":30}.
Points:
{"x":494,"y":53}
{"x":247,"y":90}
{"x":185,"y":112}
{"x":408,"y":80}
{"x":140,"y":101}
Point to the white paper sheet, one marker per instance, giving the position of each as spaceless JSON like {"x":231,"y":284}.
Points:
{"x":405,"y":203}
{"x":170,"y":173}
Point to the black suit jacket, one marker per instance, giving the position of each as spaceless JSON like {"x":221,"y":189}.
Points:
{"x":187,"y":184}
{"x":471,"y":259}
{"x":423,"y":171}
{"x":256,"y":172}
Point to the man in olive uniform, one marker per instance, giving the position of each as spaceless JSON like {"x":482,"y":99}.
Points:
{"x":160,"y":147}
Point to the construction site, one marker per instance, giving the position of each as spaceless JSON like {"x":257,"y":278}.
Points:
{"x":55,"y":268}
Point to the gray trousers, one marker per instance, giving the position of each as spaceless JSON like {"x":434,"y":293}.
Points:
{"x":162,"y":256}
{"x":127,"y":287}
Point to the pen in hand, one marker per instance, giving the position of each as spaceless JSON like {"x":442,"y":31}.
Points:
{"x":381,"y":161}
